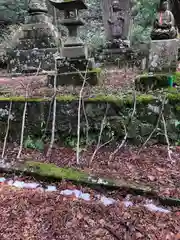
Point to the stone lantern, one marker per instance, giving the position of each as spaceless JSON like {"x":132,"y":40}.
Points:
{"x":74,"y":53}
{"x":35,"y":42}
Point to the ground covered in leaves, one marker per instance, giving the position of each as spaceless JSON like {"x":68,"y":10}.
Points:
{"x":151,"y":167}
{"x":112,"y":81}
{"x":38,"y":215}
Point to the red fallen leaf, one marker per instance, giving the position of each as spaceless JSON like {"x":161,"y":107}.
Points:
{"x":178,"y":148}
{"x":151,"y":178}
{"x":177,"y":237}
{"x":160,"y":169}
{"x":138,"y":235}
{"x":177,"y":213}
{"x":169,"y":236}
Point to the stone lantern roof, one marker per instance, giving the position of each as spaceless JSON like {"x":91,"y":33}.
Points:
{"x":68,"y":4}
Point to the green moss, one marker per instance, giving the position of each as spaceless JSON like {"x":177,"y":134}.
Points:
{"x":172,"y":94}
{"x":173,"y":97}
{"x":66,"y":98}
{"x":128,"y":99}
{"x":51,"y":170}
{"x":22,"y":99}
{"x":159,"y":77}
{"x":177,"y":78}
{"x":94,"y":70}
{"x":177,"y":108}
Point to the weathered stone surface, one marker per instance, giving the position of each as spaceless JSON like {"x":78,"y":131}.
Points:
{"x":115,"y":26}
{"x":76,"y":78}
{"x":145,"y":83}
{"x":22,"y":61}
{"x":74,"y":53}
{"x":163,"y":55}
{"x":164,"y":24}
{"x":118,"y":114}
{"x":35,"y":42}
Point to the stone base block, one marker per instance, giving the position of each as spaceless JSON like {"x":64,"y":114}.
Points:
{"x":21,"y":61}
{"x":76,"y":78}
{"x":74,"y":52}
{"x":163,"y":55}
{"x":72,"y":65}
{"x":146,"y":83}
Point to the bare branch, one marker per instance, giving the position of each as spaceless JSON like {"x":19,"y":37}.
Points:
{"x":125,"y":129}
{"x":24,"y":116}
{"x":154,"y":130}
{"x":7,"y":130}
{"x":54,"y":112}
{"x":54,"y":98}
{"x":167,"y":139}
{"x":79,"y":112}
{"x":100,"y":136}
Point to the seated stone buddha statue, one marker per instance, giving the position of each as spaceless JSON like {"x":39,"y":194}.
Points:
{"x":164,"y":24}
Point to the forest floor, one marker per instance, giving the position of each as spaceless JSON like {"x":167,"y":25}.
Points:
{"x":39,"y":215}
{"x":151,"y":167}
{"x":112,"y":81}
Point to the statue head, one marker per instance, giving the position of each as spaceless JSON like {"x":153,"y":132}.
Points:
{"x":37,"y":6}
{"x":116,"y":5}
{"x":164,"y":6}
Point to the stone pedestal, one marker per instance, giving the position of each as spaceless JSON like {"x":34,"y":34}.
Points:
{"x":163,"y":55}
{"x":73,"y":63}
{"x":35,"y":42}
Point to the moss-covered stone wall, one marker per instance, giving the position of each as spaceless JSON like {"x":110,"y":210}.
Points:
{"x":117,"y":110}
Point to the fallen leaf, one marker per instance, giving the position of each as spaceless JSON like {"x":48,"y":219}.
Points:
{"x":138,"y":235}
{"x":151,"y":178}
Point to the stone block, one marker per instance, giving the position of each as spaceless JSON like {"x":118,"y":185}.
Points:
{"x":163,"y":55}
{"x":71,"y":65}
{"x":145,"y":83}
{"x":76,"y":78}
{"x":75,"y":52}
{"x":20,"y":61}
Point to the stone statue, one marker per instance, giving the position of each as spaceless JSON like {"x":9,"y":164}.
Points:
{"x":37,"y":6}
{"x":116,"y":20}
{"x":164,"y":26}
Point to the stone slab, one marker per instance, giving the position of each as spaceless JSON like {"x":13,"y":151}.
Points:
{"x":20,"y":61}
{"x":75,"y":78}
{"x":75,"y":65}
{"x":75,"y":52}
{"x":163,"y":55}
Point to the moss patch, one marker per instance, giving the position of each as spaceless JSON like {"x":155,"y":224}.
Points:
{"x":51,"y":170}
{"x":70,"y":174}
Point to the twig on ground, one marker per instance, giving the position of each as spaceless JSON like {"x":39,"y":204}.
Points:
{"x":7,"y":131}
{"x":167,"y":139}
{"x":112,"y":232}
{"x":154,"y":130}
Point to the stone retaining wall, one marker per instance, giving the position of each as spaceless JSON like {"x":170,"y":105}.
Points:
{"x":118,"y":112}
